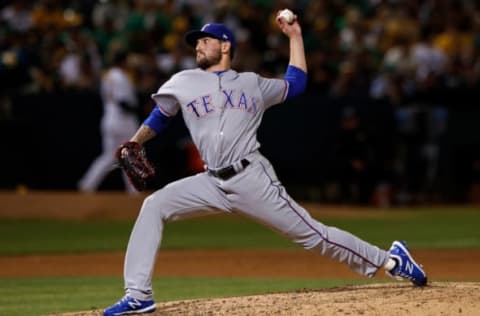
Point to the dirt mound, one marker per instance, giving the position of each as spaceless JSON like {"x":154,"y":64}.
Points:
{"x":439,"y":298}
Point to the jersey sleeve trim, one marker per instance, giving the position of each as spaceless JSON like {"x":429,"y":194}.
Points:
{"x":157,"y":120}
{"x":297,"y":81}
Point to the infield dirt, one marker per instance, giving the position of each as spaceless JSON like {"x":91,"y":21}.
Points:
{"x":366,"y":300}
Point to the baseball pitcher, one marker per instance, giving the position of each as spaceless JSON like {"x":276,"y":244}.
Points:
{"x":223,"y":109}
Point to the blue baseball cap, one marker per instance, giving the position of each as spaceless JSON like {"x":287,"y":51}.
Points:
{"x":215,"y":30}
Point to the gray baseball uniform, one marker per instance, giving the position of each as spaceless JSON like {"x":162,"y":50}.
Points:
{"x":223,"y":112}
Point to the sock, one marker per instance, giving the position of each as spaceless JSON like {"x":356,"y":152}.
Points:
{"x":390,"y":264}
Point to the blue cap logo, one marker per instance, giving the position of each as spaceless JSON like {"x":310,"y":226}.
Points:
{"x":215,"y":30}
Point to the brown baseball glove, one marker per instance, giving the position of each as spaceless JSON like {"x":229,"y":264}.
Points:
{"x":132,"y":158}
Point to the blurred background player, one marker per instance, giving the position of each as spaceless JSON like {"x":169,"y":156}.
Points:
{"x":119,"y":122}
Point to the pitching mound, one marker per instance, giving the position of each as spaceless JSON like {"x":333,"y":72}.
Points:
{"x":378,"y":299}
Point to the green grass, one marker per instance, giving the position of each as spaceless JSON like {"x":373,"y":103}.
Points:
{"x":456,"y":228}
{"x":422,"y":229}
{"x":47,"y":236}
{"x":43,"y":296}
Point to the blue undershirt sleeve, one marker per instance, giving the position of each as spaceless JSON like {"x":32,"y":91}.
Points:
{"x":297,"y":81}
{"x":157,"y":120}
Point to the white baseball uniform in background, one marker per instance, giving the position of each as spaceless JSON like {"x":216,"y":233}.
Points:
{"x":117,"y":126}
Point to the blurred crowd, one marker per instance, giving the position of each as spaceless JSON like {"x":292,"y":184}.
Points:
{"x":390,"y":48}
{"x":417,"y":57}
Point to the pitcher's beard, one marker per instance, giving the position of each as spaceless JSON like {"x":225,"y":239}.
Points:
{"x":204,"y":62}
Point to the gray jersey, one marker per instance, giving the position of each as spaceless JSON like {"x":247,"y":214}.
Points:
{"x":222,"y":111}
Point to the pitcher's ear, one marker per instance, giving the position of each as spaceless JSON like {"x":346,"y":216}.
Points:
{"x":226,"y":46}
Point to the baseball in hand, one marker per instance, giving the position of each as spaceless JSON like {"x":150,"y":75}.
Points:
{"x":287,"y":15}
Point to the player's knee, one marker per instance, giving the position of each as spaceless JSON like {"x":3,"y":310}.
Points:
{"x":308,"y":243}
{"x":154,"y":204}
